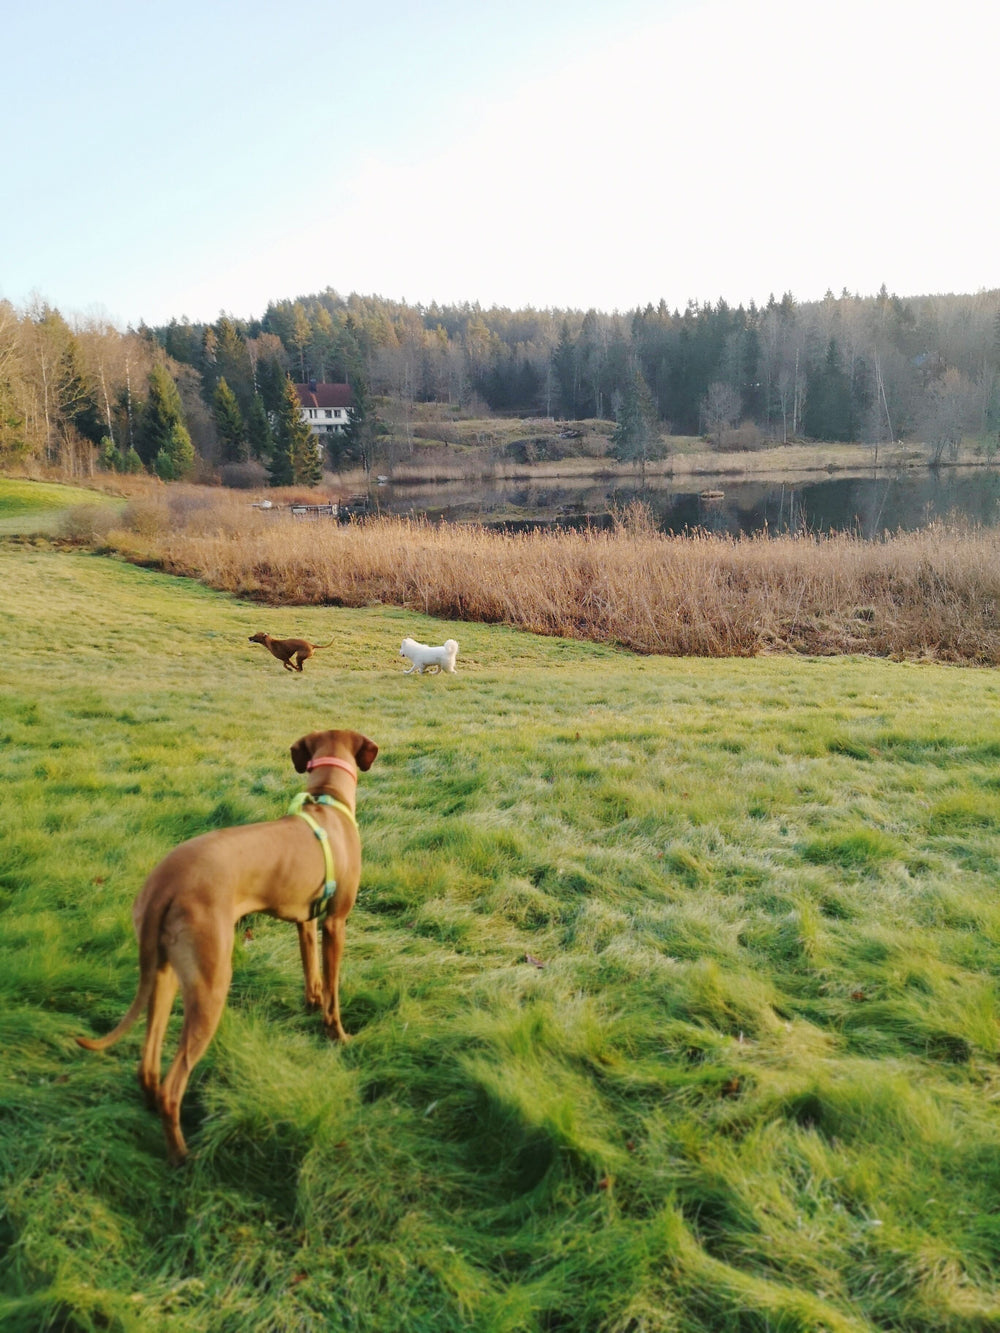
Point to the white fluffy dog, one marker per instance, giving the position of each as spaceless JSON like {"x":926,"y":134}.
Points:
{"x":422,"y":657}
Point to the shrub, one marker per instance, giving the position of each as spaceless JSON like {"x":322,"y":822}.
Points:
{"x":243,"y":476}
{"x":87,"y":523}
{"x":147,"y":517}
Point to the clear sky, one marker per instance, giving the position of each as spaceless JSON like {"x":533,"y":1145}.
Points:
{"x":201,"y":156}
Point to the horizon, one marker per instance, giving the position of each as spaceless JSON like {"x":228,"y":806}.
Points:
{"x":78,"y":318}
{"x":603,"y":154}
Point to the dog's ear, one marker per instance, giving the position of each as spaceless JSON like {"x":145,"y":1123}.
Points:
{"x":302,"y":752}
{"x":364,"y":755}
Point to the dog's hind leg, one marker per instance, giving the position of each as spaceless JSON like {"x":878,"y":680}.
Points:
{"x":158,"y":1016}
{"x":205,"y":971}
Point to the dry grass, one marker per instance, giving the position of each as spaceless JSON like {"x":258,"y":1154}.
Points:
{"x":931,"y":594}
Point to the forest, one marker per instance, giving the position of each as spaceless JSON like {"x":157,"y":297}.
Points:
{"x":214,"y":401}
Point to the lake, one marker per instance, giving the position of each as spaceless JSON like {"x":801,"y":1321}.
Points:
{"x":864,"y":503}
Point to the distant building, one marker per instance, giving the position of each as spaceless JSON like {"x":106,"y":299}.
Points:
{"x":326,"y":408}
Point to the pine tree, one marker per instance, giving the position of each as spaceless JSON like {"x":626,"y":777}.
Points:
{"x":229,"y":424}
{"x":564,"y":364}
{"x":294,"y":456}
{"x":162,"y":439}
{"x":829,"y":410}
{"x":258,"y":429}
{"x":279,"y":466}
{"x":307,"y":468}
{"x":176,"y":459}
{"x":635,"y":432}
{"x":357,"y":442}
{"x":232,"y":360}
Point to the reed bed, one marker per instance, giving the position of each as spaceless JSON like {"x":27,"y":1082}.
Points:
{"x":929,"y":594}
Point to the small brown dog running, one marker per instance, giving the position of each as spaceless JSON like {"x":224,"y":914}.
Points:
{"x":291,"y":653}
{"x":185,"y":913}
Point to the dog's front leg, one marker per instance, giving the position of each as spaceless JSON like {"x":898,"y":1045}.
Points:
{"x":309,"y":950}
{"x":334,"y":933}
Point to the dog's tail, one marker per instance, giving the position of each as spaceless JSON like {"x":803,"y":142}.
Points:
{"x":148,"y":949}
{"x":324,"y":645}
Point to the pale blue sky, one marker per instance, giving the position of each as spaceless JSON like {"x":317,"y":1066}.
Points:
{"x":184,"y":159}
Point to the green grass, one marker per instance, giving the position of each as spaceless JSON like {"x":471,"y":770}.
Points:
{"x":753,"y":1085}
{"x":40,"y":506}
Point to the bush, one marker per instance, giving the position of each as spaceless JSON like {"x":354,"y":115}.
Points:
{"x":744,"y":438}
{"x":243,"y":476}
{"x":87,"y":523}
{"x":147,"y":517}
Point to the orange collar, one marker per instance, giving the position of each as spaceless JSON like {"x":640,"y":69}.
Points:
{"x":330,"y":761}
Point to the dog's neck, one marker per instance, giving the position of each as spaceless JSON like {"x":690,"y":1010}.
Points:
{"x":323,"y":779}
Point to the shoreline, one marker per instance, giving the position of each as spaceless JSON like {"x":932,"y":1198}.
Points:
{"x":781,"y":461}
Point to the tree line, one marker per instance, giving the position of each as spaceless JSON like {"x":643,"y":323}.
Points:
{"x":86,"y":396}
{"x":188,"y":397}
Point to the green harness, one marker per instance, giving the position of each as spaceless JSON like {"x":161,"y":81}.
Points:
{"x":329,"y":884}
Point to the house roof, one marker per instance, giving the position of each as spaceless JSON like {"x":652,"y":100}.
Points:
{"x":324,"y":395}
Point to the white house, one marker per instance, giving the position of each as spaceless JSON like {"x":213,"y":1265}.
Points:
{"x":326,"y":408}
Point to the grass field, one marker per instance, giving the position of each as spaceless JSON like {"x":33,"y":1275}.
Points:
{"x":673,"y":982}
{"x":39,"y":506}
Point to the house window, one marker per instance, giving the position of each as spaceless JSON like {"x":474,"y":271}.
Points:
{"x":329,"y":413}
{"x":337,"y":413}
{"x":312,"y":412}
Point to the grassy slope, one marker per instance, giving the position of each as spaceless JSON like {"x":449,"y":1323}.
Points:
{"x":754,"y":1085}
{"x":39,"y":506}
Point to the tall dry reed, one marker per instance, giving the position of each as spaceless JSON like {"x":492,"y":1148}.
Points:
{"x":933,"y":593}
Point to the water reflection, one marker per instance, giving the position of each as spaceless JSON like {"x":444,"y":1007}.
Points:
{"x":865,"y":504}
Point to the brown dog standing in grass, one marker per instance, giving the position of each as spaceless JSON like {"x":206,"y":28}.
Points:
{"x":185,"y":914}
{"x":291,"y":653}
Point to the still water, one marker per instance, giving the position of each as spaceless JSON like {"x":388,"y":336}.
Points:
{"x":864,"y":503}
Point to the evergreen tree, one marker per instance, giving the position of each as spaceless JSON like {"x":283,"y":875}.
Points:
{"x":270,"y":379}
{"x":636,"y":431}
{"x":232,"y":361}
{"x":229,"y":425}
{"x":161,"y":429}
{"x":357,"y":443}
{"x":299,"y":335}
{"x":307,"y":467}
{"x":350,"y":353}
{"x":258,"y":429}
{"x":829,"y":410}
{"x":108,"y":456}
{"x":279,"y":465}
{"x":294,"y":456}
{"x":181,"y":341}
{"x":175,"y":460}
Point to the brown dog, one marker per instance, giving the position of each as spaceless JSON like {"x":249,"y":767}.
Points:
{"x":291,"y":653}
{"x":185,"y":913}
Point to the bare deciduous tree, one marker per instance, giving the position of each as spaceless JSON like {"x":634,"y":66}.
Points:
{"x":720,"y":410}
